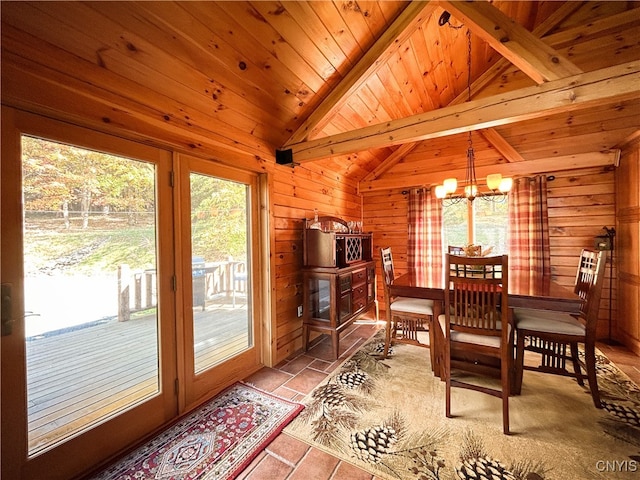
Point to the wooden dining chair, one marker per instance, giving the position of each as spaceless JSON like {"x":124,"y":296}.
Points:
{"x":455,"y":250}
{"x":476,"y":327}
{"x":406,"y":316}
{"x":551,"y":334}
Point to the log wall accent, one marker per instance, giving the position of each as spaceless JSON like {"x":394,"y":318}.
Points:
{"x":581,"y":202}
{"x":627,"y":327}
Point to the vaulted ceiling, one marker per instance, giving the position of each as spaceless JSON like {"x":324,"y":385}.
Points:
{"x":375,"y":91}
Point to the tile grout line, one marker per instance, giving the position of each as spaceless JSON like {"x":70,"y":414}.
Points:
{"x":300,"y":462}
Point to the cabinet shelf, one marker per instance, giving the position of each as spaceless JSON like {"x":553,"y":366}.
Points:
{"x":339,"y":278}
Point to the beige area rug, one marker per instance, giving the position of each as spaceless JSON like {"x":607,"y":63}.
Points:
{"x":387,"y":417}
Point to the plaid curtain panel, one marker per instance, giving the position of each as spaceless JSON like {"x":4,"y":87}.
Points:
{"x":528,"y":231}
{"x":424,"y":252}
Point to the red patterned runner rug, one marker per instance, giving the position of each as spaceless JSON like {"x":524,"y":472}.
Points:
{"x":216,"y":441}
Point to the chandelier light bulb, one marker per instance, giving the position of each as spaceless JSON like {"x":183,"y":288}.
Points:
{"x":494,"y":181}
{"x":440,"y":191}
{"x":505,"y":185}
{"x":450,"y":185}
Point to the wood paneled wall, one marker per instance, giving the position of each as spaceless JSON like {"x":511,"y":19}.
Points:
{"x":295,"y":193}
{"x":385,"y":214}
{"x":627,"y":327}
{"x":581,"y":202}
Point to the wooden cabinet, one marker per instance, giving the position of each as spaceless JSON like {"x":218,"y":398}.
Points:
{"x":342,"y":287}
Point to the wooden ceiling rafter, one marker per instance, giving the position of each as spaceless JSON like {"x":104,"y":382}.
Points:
{"x":605,"y":85}
{"x":492,"y":136}
{"x":501,"y":145}
{"x":401,"y":29}
{"x":507,"y":150}
{"x":535,"y":58}
{"x":503,"y":64}
{"x":397,"y":155}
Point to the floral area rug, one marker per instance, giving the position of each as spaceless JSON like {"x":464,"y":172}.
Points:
{"x":388,"y":417}
{"x":216,"y":441}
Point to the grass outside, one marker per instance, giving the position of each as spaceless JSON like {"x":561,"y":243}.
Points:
{"x":49,"y":247}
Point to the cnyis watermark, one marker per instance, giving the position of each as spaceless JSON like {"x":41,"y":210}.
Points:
{"x":617,"y":466}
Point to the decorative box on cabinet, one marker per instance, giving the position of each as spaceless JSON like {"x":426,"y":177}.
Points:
{"x":339,"y":277}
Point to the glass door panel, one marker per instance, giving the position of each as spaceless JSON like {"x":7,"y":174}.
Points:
{"x":219,"y":275}
{"x":319,"y":297}
{"x":91,"y":335}
{"x":220,"y":271}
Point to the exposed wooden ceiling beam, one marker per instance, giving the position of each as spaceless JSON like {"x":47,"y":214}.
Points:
{"x":594,"y":28}
{"x":489,"y":76}
{"x":391,"y":160}
{"x":412,"y":17}
{"x":540,"y":31}
{"x":514,"y":42}
{"x":631,"y":138}
{"x":589,"y":89}
{"x":481,"y":20}
{"x":528,"y":167}
{"x":501,"y":145}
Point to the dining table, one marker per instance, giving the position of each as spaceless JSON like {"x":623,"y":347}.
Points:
{"x":524,"y":291}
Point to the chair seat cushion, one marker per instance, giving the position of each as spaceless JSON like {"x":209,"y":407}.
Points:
{"x":485,"y":340}
{"x":418,"y":306}
{"x":547,"y":321}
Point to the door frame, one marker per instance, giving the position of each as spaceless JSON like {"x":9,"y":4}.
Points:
{"x":106,"y":440}
{"x":197,"y":388}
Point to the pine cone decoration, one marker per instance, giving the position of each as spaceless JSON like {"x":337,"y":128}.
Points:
{"x":353,"y":379}
{"x":623,"y":413}
{"x":483,"y":467}
{"x":331,"y":395}
{"x":369,"y":445}
{"x":379,"y":349}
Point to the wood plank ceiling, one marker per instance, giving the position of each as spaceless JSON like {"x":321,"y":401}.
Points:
{"x":374,"y":91}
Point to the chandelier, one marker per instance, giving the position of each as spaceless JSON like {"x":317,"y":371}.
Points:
{"x":497,"y":185}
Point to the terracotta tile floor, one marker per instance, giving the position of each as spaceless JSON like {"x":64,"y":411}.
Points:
{"x":290,"y":459}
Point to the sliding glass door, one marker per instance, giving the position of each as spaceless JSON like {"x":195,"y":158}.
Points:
{"x":129,"y":280}
{"x":87,"y":306}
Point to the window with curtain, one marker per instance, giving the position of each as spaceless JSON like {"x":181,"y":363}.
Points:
{"x":479,"y":222}
{"x":518,"y":228}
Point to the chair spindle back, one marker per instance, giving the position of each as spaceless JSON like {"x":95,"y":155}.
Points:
{"x":475,"y":295}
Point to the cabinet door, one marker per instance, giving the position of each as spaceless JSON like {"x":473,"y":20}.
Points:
{"x":359,"y":290}
{"x":344,"y":298}
{"x":345,"y":308}
{"x":318,"y":297}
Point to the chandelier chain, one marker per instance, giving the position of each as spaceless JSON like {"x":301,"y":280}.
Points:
{"x":468,"y":65}
{"x":447,"y":191}
{"x":471,"y":168}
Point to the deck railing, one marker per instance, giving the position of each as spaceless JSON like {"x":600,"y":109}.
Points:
{"x":137,"y":290}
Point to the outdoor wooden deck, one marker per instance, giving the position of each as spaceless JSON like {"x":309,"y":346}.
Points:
{"x":77,"y":377}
